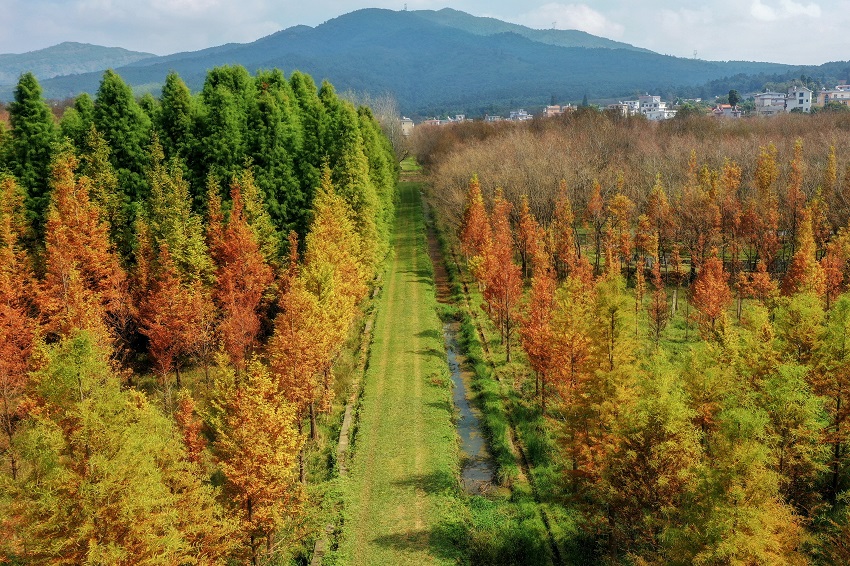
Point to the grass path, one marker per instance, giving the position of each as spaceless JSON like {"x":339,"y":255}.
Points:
{"x":402,"y":495}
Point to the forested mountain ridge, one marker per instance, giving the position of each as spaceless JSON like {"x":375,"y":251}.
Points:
{"x":67,"y":58}
{"x":441,"y":62}
{"x":492,"y":26}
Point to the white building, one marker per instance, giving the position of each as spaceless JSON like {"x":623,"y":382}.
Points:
{"x":625,"y":107}
{"x":520,"y":115}
{"x":406,"y":126}
{"x":654,"y":108}
{"x":769,"y":103}
{"x":648,"y":103}
{"x":726,"y":111}
{"x":799,"y":98}
{"x":660,"y":114}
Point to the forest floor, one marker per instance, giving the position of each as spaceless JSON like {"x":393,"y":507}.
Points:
{"x":403,"y":504}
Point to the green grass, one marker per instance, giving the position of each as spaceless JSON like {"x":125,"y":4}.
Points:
{"x":402,"y":498}
{"x":409,"y":165}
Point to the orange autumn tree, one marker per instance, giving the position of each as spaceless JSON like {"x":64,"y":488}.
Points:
{"x":297,"y":354}
{"x":334,"y":274}
{"x":257,"y":447}
{"x":795,"y":198}
{"x":190,"y":426}
{"x":805,"y":274}
{"x":660,"y":216}
{"x":475,"y":225}
{"x":536,"y":331}
{"x":17,"y":329}
{"x":503,"y":277}
{"x":658,"y":309}
{"x":621,"y":210}
{"x":563,"y":233}
{"x":596,"y":218}
{"x":242,"y":276}
{"x":528,"y":235}
{"x":83,"y":286}
{"x":170,"y":314}
{"x":711,"y":295}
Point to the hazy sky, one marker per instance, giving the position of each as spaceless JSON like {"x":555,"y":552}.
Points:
{"x":785,"y":31}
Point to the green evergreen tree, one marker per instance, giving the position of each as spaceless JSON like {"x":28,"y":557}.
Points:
{"x":222,"y":124}
{"x":171,"y":219}
{"x":350,"y":170}
{"x":382,"y":173}
{"x":31,"y":146}
{"x":126,"y":128}
{"x":312,"y":155}
{"x":78,"y":120}
{"x":150,"y":106}
{"x":112,"y":202}
{"x":176,"y":118}
{"x":275,"y":140}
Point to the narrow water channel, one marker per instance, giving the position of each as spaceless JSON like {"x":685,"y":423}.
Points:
{"x":477,"y":472}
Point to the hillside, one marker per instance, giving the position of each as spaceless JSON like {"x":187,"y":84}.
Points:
{"x":441,"y":62}
{"x":67,"y":58}
{"x":491,"y":26}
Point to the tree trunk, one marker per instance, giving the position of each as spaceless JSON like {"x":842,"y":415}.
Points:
{"x":314,"y":434}
{"x":611,"y":345}
{"x":301,"y":475}
{"x":177,"y":374}
{"x":836,"y":453}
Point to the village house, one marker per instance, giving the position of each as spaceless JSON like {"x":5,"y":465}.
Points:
{"x":840,"y":94}
{"x":727,"y":111}
{"x":406,"y":126}
{"x":654,"y":108}
{"x":520,"y":115}
{"x":799,"y":98}
{"x":557,"y":110}
{"x":625,"y":107}
{"x":769,"y":103}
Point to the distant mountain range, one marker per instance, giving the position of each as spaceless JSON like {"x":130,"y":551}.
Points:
{"x":67,"y":58}
{"x":436,"y":62}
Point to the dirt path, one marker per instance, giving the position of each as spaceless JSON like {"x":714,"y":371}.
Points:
{"x":403,"y":489}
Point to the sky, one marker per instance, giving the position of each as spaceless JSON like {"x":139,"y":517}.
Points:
{"x":782,"y":31}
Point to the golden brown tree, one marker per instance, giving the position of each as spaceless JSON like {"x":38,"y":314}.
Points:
{"x":257,"y":448}
{"x":242,"y":277}
{"x":595,"y":216}
{"x":536,"y":331}
{"x":711,"y":295}
{"x":18,"y":329}
{"x":503,"y":281}
{"x":83,"y":287}
{"x":475,"y":226}
{"x":805,"y":274}
{"x":528,"y":235}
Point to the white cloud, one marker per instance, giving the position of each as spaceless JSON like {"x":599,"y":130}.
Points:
{"x":571,"y":16}
{"x":785,"y":10}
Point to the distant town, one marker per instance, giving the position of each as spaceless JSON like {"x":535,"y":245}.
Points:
{"x":798,"y":98}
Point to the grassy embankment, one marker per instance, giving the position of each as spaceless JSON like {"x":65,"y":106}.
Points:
{"x":402,"y":499}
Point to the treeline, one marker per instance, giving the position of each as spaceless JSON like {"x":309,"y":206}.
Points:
{"x":234,"y":233}
{"x":723,"y":444}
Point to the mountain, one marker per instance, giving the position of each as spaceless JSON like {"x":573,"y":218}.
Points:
{"x":67,"y":58}
{"x":441,"y":62}
{"x":491,"y":26}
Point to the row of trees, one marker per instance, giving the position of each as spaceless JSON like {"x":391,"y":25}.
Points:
{"x":127,"y":255}
{"x":730,"y":448}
